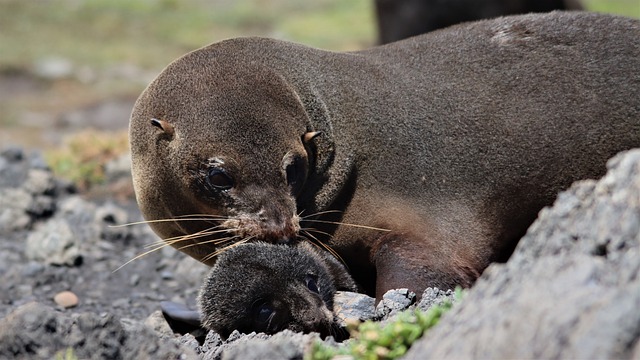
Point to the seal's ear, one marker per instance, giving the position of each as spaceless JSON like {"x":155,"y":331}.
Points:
{"x":163,"y":125}
{"x":307,"y":137}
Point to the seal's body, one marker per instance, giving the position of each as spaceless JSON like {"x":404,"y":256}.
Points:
{"x":452,"y":141}
{"x":268,"y":288}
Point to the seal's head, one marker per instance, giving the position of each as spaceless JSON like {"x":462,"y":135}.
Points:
{"x":220,"y":152}
{"x":268,"y":288}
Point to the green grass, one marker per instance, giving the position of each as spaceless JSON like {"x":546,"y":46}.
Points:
{"x":82,"y":158}
{"x":621,"y":7}
{"x":373,"y":341}
{"x":150,"y":33}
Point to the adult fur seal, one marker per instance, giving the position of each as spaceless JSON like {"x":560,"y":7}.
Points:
{"x":452,"y":141}
{"x":268,"y":288}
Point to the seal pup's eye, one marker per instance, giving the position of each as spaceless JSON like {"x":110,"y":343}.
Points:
{"x":311,"y":281}
{"x":264,"y":312}
{"x":219,"y":179}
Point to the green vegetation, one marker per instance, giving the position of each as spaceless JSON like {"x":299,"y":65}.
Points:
{"x":373,"y":341}
{"x":622,"y":7}
{"x":150,"y":33}
{"x":67,"y":354}
{"x":83,"y":156}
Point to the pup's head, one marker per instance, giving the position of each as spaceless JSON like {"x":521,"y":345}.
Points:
{"x":268,"y":288}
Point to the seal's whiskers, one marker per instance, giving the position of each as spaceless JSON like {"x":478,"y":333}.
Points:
{"x":220,"y":251}
{"x":198,"y":217}
{"x":347,"y":224}
{"x":322,"y":245}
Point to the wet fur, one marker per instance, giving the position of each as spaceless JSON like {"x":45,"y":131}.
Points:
{"x":453,"y":141}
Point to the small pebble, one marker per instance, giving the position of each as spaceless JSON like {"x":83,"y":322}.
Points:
{"x":66,"y":299}
{"x":134,"y":280}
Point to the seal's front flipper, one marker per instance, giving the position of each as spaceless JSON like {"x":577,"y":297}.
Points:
{"x":405,"y":262}
{"x":183,"y":320}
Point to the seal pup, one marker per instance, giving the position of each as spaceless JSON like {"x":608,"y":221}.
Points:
{"x":268,"y":288}
{"x":452,"y":141}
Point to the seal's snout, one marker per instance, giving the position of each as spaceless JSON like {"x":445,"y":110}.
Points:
{"x":271,"y":229}
{"x":277,"y":228}
{"x":278,"y":234}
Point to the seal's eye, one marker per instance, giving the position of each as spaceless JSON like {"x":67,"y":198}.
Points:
{"x":310,"y":280}
{"x":264,"y":312}
{"x":219,"y":179}
{"x":296,"y":172}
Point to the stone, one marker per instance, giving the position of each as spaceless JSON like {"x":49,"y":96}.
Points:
{"x":66,"y":299}
{"x":159,"y":324}
{"x":35,"y":331}
{"x":351,"y":307}
{"x":434,"y":296}
{"x":394,"y":301}
{"x":54,"y":243}
{"x":571,"y":288}
{"x":13,"y":210}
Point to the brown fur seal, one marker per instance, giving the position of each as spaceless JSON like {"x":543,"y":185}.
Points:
{"x":268,"y":288}
{"x":453,"y":141}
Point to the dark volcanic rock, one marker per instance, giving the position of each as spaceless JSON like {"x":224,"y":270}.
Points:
{"x":35,"y":331}
{"x":571,"y":289}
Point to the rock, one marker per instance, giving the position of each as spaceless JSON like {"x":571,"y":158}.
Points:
{"x":34,"y":331}
{"x":353,"y":307}
{"x":281,"y":346}
{"x":434,"y":296}
{"x":12,"y":153}
{"x":28,"y":190}
{"x":13,"y":210}
{"x":159,"y":324}
{"x":571,"y":289}
{"x":39,"y":182}
{"x":109,"y":216}
{"x":66,"y":299}
{"x":54,"y":243}
{"x":394,"y":301}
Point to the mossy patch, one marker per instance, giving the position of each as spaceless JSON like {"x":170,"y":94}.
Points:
{"x":373,"y":341}
{"x":84,"y":155}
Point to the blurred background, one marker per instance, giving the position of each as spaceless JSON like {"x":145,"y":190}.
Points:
{"x":70,"y":70}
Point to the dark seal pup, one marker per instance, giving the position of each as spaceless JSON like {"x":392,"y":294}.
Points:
{"x":268,"y":288}
{"x":452,"y":141}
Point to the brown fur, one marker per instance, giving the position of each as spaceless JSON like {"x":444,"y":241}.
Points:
{"x":453,"y":140}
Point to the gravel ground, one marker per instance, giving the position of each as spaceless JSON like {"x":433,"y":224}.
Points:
{"x":53,"y":241}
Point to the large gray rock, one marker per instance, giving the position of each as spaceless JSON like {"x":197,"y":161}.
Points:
{"x":571,"y":289}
